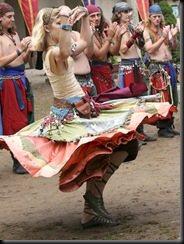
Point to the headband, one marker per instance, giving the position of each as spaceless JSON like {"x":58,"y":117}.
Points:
{"x":5,"y":8}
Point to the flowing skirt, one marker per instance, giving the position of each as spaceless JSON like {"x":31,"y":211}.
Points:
{"x":79,"y":149}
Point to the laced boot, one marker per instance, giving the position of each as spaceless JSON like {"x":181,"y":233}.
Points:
{"x":97,"y":203}
{"x":97,"y":219}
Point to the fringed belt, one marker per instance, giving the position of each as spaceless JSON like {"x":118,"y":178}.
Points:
{"x":132,"y":65}
{"x":167,"y":61}
{"x":62,"y":103}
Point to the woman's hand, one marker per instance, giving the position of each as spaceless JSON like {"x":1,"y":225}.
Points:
{"x":77,"y":14}
{"x":64,"y":11}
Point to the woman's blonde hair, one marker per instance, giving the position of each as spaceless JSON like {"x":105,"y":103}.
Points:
{"x":44,"y":17}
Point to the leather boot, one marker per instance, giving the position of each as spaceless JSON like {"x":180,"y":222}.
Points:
{"x":172,"y":130}
{"x":147,"y":138}
{"x":165,"y":133}
{"x":17,"y":167}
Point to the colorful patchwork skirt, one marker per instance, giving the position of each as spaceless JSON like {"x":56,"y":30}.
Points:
{"x":74,"y":149}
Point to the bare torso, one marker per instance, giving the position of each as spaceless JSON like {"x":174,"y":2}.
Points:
{"x":7,"y":47}
{"x":161,"y":49}
{"x":98,"y":44}
{"x":81,"y":64}
{"x":132,"y":51}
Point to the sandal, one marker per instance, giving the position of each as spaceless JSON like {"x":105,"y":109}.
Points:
{"x":97,"y":204}
{"x":100,"y":220}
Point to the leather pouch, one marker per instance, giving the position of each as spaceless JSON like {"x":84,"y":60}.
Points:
{"x":83,"y":109}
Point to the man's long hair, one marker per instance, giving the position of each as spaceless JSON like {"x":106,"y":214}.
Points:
{"x":11,"y":30}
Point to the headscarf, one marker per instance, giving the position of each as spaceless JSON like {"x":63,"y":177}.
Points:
{"x":5,"y":8}
{"x":92,"y":9}
{"x":155,"y":9}
{"x":121,"y":6}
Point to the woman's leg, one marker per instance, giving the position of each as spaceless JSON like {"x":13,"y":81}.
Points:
{"x":94,"y":205}
{"x":94,"y":189}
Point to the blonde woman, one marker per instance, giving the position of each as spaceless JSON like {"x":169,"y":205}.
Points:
{"x":82,"y":150}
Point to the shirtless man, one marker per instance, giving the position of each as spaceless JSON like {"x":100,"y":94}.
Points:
{"x":82,"y":67}
{"x":158,"y":41}
{"x":16,"y":98}
{"x":100,"y":69}
{"x":131,"y":67}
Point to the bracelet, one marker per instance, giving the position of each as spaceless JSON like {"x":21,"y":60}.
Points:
{"x":18,"y":52}
{"x":110,"y":41}
{"x":84,"y":9}
{"x":65,"y":27}
{"x":73,"y":47}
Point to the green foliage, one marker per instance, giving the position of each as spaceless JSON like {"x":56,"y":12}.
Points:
{"x":167,"y":13}
{"x":114,"y":59}
{"x":169,"y":20}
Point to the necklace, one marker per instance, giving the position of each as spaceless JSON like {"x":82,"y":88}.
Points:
{"x":99,"y":38}
{"x":10,"y":37}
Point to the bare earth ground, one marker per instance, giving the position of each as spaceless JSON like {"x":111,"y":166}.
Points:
{"x":143,"y":194}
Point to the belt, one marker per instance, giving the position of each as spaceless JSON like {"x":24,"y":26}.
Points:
{"x":99,"y":63}
{"x":130,"y":62}
{"x":86,"y":76}
{"x":167,"y":61}
{"x":135,"y":67}
{"x":62,"y":103}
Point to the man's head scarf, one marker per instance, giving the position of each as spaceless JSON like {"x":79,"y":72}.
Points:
{"x":155,"y":9}
{"x":92,"y":9}
{"x":121,"y":6}
{"x":5,"y":8}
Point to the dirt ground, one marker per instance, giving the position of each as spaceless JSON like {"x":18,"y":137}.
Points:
{"x":144,"y":194}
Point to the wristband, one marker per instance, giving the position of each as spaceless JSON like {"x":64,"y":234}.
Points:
{"x":18,"y":52}
{"x":110,"y":41}
{"x":134,"y":36}
{"x":65,"y":27}
{"x":129,"y":43}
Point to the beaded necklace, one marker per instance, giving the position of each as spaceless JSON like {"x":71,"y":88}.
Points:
{"x":99,"y":38}
{"x":10,"y":37}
